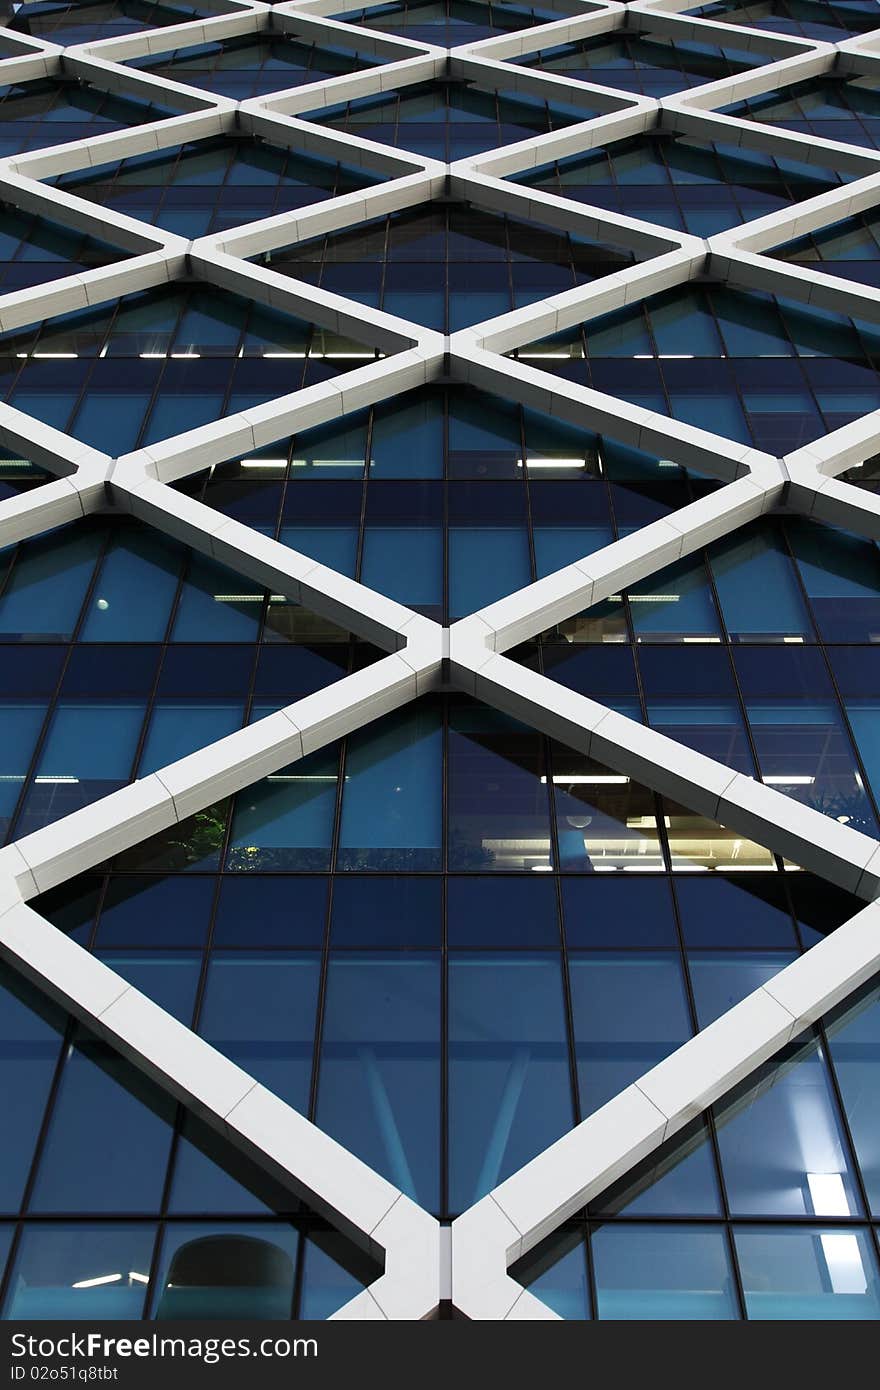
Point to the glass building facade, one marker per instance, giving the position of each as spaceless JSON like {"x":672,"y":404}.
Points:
{"x":329,"y":371}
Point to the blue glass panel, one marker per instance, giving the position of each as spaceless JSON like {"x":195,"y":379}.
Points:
{"x":628,"y":1013}
{"x":30,"y":1040}
{"x":673,"y":602}
{"x":21,"y":725}
{"x":286,"y":821}
{"x":408,"y":440}
{"x":509,"y":1084}
{"x":170,"y":980}
{"x":271,"y":911}
{"x":619,"y":912}
{"x":808,"y":1274}
{"x":663,"y":1273}
{"x":404,"y":563}
{"x":864,"y":720}
{"x":841,"y":575}
{"x":259,"y":1010}
{"x":155,"y":912}
{"x":379,"y":1083}
{"x":100,"y":1094}
{"x":782,"y":1147}
{"x":722,"y":980}
{"x":485,"y":563}
{"x":497,"y":799}
{"x":217,"y":605}
{"x":134,"y":590}
{"x":757,"y":587}
{"x":678,"y":1179}
{"x":88,"y":753}
{"x":742,"y":912}
{"x":391,"y":804}
{"x":48,"y":584}
{"x":506,"y":912}
{"x":332,"y":1274}
{"x":55,"y":1261}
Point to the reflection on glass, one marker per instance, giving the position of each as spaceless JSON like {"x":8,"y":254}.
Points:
{"x":604,"y":821}
{"x":808,"y":1273}
{"x":286,"y":821}
{"x":629,"y":1012}
{"x":509,"y":1084}
{"x":663,"y":1273}
{"x":259,"y":1011}
{"x":391,"y":804}
{"x":76,"y":1272}
{"x":379,"y":1081}
{"x":497,"y":795}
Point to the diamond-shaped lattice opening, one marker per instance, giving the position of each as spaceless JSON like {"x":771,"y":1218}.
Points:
{"x":55,"y":112}
{"x":158,"y":363}
{"x":123,"y":651}
{"x":448,"y":265}
{"x":825,"y":20}
{"x":849,"y":249}
{"x":445,"y":784}
{"x":699,"y":186}
{"x":789,"y":1239}
{"x":255,"y":64}
{"x":748,"y":365}
{"x":449,"y":119}
{"x":834,"y":108}
{"x":452,"y":22}
{"x":652,"y":65}
{"x":734,"y":652}
{"x":35,"y":250}
{"x":210,"y":185}
{"x":426,"y":498}
{"x":98,"y":1238}
{"x":86,"y":21}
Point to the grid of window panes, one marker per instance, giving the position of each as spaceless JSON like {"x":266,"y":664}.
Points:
{"x":692,"y":185}
{"x":834,"y":108}
{"x":160,"y":362}
{"x":121,"y":651}
{"x":760,"y":1209}
{"x":254,"y":65}
{"x":652,"y":65}
{"x":752,"y":366}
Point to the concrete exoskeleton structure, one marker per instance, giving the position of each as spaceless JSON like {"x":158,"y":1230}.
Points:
{"x":424,"y":1263}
